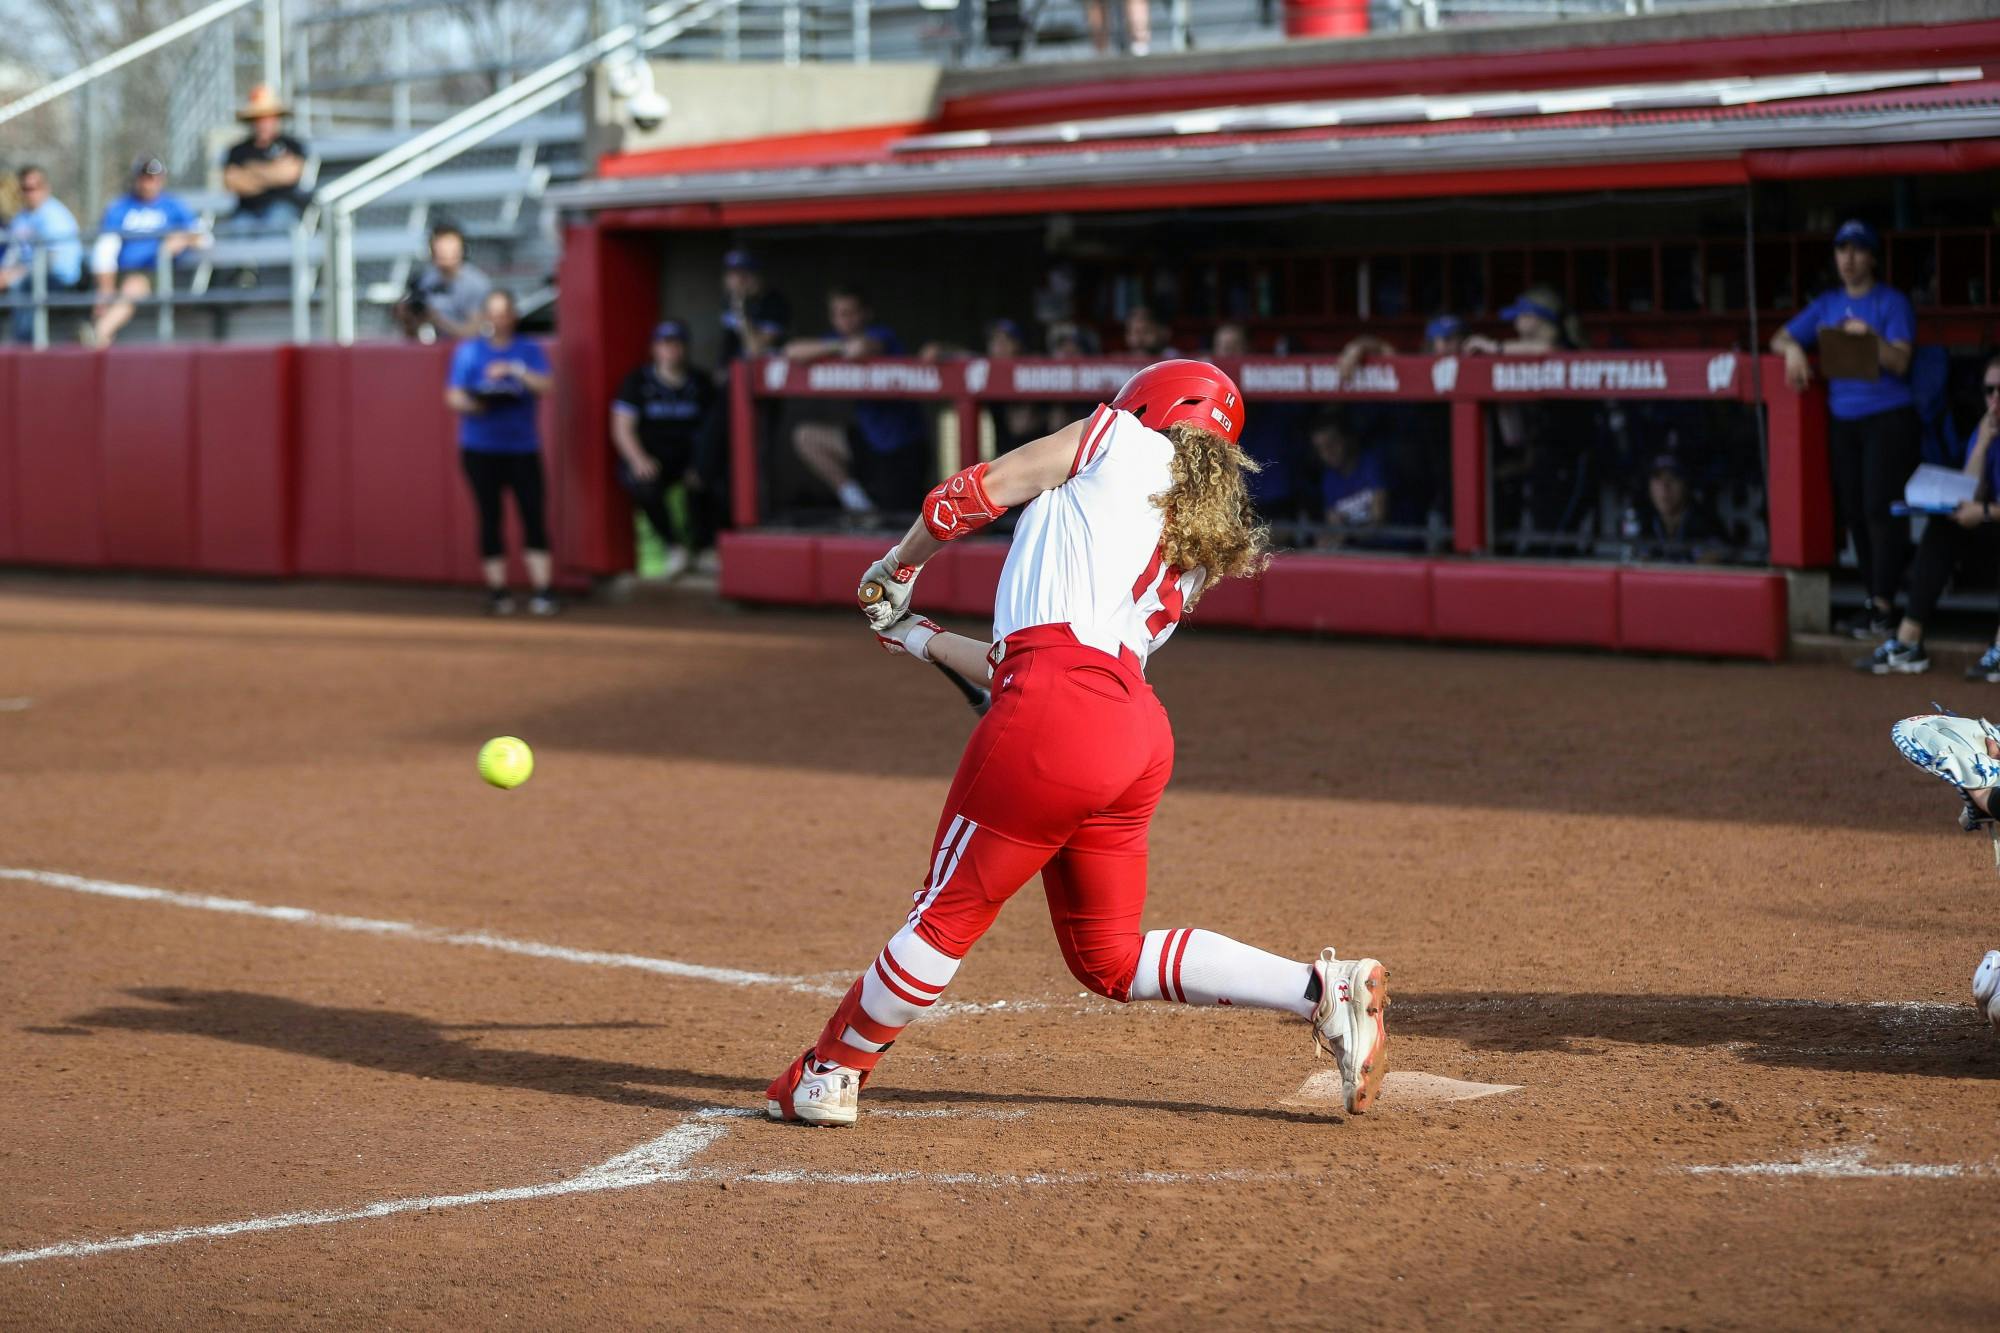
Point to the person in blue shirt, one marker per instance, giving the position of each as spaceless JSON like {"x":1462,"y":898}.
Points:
{"x":1947,"y":540}
{"x":1873,"y":437}
{"x":42,"y":223}
{"x":138,"y":226}
{"x":870,"y":455}
{"x":1354,"y":485}
{"x":495,"y":382}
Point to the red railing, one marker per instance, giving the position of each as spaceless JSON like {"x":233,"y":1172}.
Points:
{"x":1800,"y":515}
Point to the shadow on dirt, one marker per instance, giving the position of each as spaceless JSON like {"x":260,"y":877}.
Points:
{"x":1938,"y":1040}
{"x":409,"y":1044}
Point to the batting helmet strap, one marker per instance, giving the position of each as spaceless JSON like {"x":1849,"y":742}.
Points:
{"x":1168,"y":392}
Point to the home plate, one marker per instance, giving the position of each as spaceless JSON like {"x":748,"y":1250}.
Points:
{"x":1401,"y":1086}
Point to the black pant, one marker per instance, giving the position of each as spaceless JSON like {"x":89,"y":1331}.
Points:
{"x":1871,"y":458}
{"x":1944,"y":547}
{"x":651,"y":497}
{"x":492,"y":475}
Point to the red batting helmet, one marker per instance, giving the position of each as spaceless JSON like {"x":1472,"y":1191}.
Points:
{"x":1170,"y":391}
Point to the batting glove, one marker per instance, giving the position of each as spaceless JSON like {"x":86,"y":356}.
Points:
{"x":912,"y":635}
{"x":898,"y":580}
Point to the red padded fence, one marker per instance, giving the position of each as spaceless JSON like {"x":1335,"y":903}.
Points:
{"x":338,"y":462}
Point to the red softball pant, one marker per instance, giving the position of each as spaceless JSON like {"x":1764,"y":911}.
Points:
{"x":1062,"y":776}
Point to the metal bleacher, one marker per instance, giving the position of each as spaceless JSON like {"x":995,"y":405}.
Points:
{"x":368,"y":86}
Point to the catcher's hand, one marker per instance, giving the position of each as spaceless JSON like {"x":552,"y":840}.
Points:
{"x":912,"y":635}
{"x":884,"y":590}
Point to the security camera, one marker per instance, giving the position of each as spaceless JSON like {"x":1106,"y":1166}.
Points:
{"x":647,"y":109}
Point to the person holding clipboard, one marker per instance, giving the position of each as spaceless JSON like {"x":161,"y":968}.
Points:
{"x":1865,"y":333}
{"x":1947,"y":539}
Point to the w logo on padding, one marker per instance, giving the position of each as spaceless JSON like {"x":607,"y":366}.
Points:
{"x":976,"y":372}
{"x":1444,"y":374}
{"x":1722,"y":373}
{"x":776,"y":372}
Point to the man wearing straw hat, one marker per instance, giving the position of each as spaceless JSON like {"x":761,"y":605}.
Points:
{"x":264,"y":170}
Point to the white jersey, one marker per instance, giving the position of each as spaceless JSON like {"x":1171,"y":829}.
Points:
{"x":1087,"y":553}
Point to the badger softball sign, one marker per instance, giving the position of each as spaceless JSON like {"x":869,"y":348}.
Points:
{"x":1398,"y":378}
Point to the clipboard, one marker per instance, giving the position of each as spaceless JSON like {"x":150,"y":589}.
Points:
{"x":1850,"y":356}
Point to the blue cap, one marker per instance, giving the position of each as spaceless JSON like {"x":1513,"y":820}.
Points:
{"x":1444,"y":326}
{"x":1527,"y":306}
{"x":1856,"y":232}
{"x":741,"y":259}
{"x":1009,"y":327}
{"x":670,"y":330}
{"x":1667,"y":463}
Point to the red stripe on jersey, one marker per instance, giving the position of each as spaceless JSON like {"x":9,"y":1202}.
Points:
{"x":1172,"y":602}
{"x":1180,"y":953}
{"x":904,"y":973}
{"x":1094,"y":433}
{"x":1145,"y":580}
{"x":920,"y":1001}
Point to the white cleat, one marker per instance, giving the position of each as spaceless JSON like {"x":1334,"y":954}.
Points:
{"x":832,"y":1098}
{"x":1986,"y":987}
{"x":1349,"y":1025}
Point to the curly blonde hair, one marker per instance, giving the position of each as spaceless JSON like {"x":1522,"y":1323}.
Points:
{"x":1209,"y":519}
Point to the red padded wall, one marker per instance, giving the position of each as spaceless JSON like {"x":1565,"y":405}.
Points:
{"x":768,"y":567}
{"x":1230,"y":602}
{"x":10,"y":530}
{"x":975,"y":577}
{"x":56,"y":464}
{"x":1348,"y":595}
{"x":839,"y":562}
{"x":146,"y":442}
{"x":245,"y":447}
{"x":323,"y":537}
{"x":1729,"y":615}
{"x":401,"y":462}
{"x":1525,"y":603}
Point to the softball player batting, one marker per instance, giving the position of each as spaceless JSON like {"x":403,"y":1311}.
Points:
{"x":1130,"y":515}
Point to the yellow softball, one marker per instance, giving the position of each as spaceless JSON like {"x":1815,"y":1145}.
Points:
{"x":506,"y":761}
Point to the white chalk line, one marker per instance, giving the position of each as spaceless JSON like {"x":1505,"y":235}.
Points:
{"x":1849,"y":1163}
{"x":18,"y":704}
{"x":659,"y":1160}
{"x":471,"y":939}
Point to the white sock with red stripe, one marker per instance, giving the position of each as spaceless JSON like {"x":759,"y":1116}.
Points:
{"x":905,"y":979}
{"x":1186,"y":966}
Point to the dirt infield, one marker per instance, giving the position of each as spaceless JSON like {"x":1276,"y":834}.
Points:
{"x":491,"y":1065}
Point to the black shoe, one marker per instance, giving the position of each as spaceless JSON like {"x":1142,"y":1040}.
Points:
{"x":1869,"y":625}
{"x":501,"y":603}
{"x":1895,"y":658}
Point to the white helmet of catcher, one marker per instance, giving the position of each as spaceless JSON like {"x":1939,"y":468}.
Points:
{"x":1955,"y":749}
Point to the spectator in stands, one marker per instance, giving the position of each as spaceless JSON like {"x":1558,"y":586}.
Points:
{"x":1872,"y":439}
{"x":444,"y":298}
{"x":871,"y":451}
{"x":42,"y":223}
{"x":1231,"y":340}
{"x":1147,"y":336}
{"x":264,"y":170}
{"x":1671,"y":525}
{"x":1067,"y":338}
{"x":1443,"y":336}
{"x":658,"y":421}
{"x":1014,"y":424}
{"x":1273,"y":435}
{"x":1545,"y":470}
{"x":1948,"y":539}
{"x":1138,"y":26}
{"x":1354,"y":484}
{"x":495,"y":382}
{"x":754,"y":318}
{"x":1413,"y":439}
{"x":138,"y":227}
